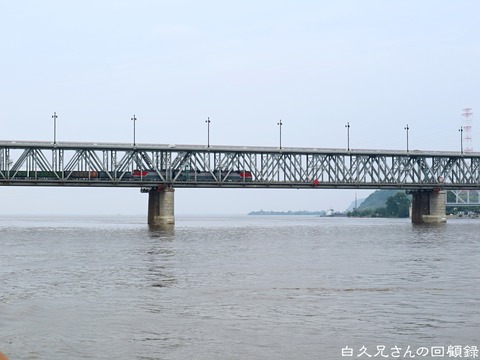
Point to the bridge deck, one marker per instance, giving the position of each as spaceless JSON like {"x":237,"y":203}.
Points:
{"x":222,"y":148}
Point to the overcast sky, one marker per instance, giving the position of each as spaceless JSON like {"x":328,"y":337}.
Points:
{"x":317,"y":65}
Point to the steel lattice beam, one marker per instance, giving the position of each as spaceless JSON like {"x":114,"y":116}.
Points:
{"x":42,"y":163}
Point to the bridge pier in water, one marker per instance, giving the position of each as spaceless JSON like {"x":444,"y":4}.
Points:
{"x":161,"y":206}
{"x":428,"y":207}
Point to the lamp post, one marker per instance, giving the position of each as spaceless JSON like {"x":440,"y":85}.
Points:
{"x":348,"y":135}
{"x":280,"y":126}
{"x":208,"y":131}
{"x":461,"y":139}
{"x":407,"y":128}
{"x":54,"y":117}
{"x":134,"y":119}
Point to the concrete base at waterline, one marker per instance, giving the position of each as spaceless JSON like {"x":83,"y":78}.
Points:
{"x":161,"y":207}
{"x":428,"y":207}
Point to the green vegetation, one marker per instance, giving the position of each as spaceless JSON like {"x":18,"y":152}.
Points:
{"x":381,"y":203}
{"x":384,"y":203}
{"x":378,"y":199}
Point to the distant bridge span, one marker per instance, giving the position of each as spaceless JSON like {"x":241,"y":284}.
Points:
{"x":154,"y":166}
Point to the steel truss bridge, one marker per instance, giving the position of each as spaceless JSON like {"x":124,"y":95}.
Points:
{"x":463,"y":198}
{"x":30,"y":163}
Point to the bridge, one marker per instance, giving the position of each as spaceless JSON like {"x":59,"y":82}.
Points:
{"x":159,"y":169}
{"x":463,"y":198}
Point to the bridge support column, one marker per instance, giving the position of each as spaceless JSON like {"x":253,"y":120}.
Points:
{"x":161,"y":206}
{"x":428,"y":207}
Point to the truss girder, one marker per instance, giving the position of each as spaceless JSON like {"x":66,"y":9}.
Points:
{"x":267,"y":167}
{"x":463,"y":198}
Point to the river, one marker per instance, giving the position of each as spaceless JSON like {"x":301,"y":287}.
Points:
{"x":238,"y":287}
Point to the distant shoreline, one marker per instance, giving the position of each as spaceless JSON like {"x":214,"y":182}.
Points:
{"x":297,"y":213}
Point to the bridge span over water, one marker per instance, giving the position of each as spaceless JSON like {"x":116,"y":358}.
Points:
{"x":159,"y":169}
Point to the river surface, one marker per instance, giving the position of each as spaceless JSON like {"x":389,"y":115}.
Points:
{"x":244,"y":287}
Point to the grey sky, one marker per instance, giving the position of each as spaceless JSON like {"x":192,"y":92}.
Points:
{"x":314,"y":64}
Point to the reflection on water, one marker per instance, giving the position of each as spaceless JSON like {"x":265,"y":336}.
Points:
{"x":158,"y":256}
{"x":162,"y":230}
{"x":234,"y":287}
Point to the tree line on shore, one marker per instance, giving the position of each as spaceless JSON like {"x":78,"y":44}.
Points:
{"x":381,"y":203}
{"x":384,"y":203}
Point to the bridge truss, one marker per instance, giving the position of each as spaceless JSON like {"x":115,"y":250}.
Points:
{"x":78,"y":164}
{"x":463,"y":198}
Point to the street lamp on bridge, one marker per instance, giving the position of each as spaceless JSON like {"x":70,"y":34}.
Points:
{"x":348,"y":135}
{"x":461,"y":139}
{"x":134,"y":119}
{"x":54,"y":117}
{"x":208,"y":131}
{"x":280,"y":127}
{"x":407,"y":128}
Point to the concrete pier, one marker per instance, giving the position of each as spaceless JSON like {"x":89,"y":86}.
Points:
{"x":161,"y":206}
{"x":428,"y":207}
